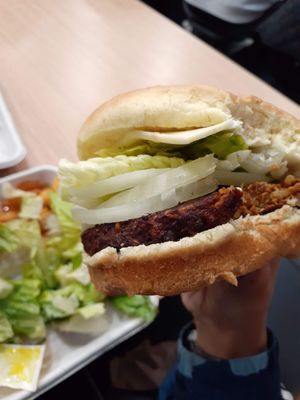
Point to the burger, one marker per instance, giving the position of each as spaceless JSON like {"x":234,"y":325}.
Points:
{"x":181,"y":186}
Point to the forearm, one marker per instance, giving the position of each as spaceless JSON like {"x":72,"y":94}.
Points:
{"x":256,"y":377}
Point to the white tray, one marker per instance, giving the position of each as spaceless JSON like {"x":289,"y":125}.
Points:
{"x":12,"y":150}
{"x":67,"y":353}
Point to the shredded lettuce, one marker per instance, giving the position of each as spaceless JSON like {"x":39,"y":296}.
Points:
{"x":69,"y":229}
{"x":31,"y":207}
{"x":221,"y":145}
{"x":27,"y":232}
{"x":42,"y":277}
{"x":57,"y":304}
{"x":63,"y":302}
{"x":90,"y":319}
{"x":5,"y":288}
{"x":66,"y":274}
{"x":117,"y":161}
{"x":149,"y":148}
{"x":136,"y":306}
{"x":6,"y":331}
{"x":8,"y":239}
{"x":75,"y":175}
{"x":21,"y":308}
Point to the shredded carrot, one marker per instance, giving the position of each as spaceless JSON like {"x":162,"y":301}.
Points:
{"x":31,"y":186}
{"x":55,"y":184}
{"x":8,"y":216}
{"x":13,"y":204}
{"x":43,"y":219}
{"x":44,"y":194}
{"x":44,"y":213}
{"x":10,"y":208}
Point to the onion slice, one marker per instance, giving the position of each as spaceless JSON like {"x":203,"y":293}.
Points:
{"x":136,"y":209}
{"x":115,"y":184}
{"x":188,"y":173}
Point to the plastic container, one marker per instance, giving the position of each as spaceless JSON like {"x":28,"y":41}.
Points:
{"x":12,"y":150}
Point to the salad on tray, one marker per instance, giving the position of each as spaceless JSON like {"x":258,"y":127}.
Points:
{"x":43,"y":281}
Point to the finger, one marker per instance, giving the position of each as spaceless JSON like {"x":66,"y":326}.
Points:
{"x":265,"y":273}
{"x":193,"y":300}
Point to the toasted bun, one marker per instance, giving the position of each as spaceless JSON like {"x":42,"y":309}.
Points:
{"x":221,"y":253}
{"x":224,"y":252}
{"x":164,"y":108}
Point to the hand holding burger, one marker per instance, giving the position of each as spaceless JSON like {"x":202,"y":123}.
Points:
{"x":181,"y":186}
{"x":231,"y":321}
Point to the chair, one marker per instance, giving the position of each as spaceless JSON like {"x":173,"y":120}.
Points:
{"x":226,"y":36}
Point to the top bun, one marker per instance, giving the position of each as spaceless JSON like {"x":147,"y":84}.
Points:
{"x":171,"y":108}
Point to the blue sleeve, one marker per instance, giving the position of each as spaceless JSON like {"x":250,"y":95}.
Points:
{"x":250,"y":378}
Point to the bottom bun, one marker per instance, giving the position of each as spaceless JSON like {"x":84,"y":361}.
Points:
{"x":222,"y":253}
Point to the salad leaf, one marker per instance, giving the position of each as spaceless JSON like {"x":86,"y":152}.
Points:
{"x":149,"y":148}
{"x":91,"y":310}
{"x":66,"y":274}
{"x":5,"y":288}
{"x":136,"y":306}
{"x":74,"y":254}
{"x":89,"y":319}
{"x":55,"y":304}
{"x":70,"y":230}
{"x":11,"y":263}
{"x":86,"y":294}
{"x":8,"y":239}
{"x":31,"y":207}
{"x":27,"y":232}
{"x":85,"y":172}
{"x":221,"y":144}
{"x":22,"y":309}
{"x":6,"y":331}
{"x":63,"y":302}
{"x":32,"y":326}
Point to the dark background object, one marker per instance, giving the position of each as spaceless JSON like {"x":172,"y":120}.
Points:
{"x":280,"y":70}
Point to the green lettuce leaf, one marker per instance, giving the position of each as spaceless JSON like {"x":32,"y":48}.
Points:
{"x":86,"y":294}
{"x":136,"y":306}
{"x":27,"y":232}
{"x":221,"y":144}
{"x":26,"y":238}
{"x":66,"y":274}
{"x":8,"y":239}
{"x":74,"y":254}
{"x":31,"y":207}
{"x":63,"y":302}
{"x":5,"y":288}
{"x":21,"y":308}
{"x":149,"y":148}
{"x":6,"y":331}
{"x":42,"y":265}
{"x":70,"y":229}
{"x":85,"y":172}
{"x":90,"y":319}
{"x":56,"y":304}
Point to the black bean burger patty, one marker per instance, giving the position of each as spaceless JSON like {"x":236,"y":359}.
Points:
{"x":173,"y":224}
